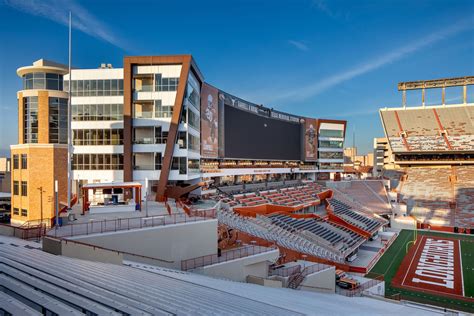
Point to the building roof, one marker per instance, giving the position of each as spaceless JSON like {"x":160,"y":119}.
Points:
{"x":43,"y":65}
{"x":101,"y":288}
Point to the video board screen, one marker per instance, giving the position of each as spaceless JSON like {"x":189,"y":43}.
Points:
{"x":253,"y":136}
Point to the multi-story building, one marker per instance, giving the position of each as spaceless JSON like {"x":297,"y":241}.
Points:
{"x":40,"y":157}
{"x":383,"y":157}
{"x":155,"y":121}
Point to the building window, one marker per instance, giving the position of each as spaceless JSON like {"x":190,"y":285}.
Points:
{"x":58,"y":120}
{"x":194,"y":119}
{"x":194,"y":143}
{"x":331,"y":133}
{"x":94,"y":87}
{"x":163,"y":110}
{"x":92,"y":137}
{"x":16,"y":188}
{"x":179,"y":163}
{"x":97,"y":112}
{"x":24,"y":188}
{"x":30,"y":116}
{"x":166,"y":84}
{"x":16,"y":211}
{"x":182,"y":141}
{"x":158,"y":161}
{"x":97,"y":162}
{"x":24,"y":212}
{"x":15,"y":162}
{"x":40,"y":80}
{"x":193,"y":165}
{"x":24,"y":161}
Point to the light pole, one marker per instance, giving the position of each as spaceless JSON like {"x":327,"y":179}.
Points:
{"x":56,"y":202}
{"x":41,"y":204}
{"x":146,"y":197}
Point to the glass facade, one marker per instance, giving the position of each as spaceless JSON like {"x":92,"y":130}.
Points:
{"x":41,"y":80}
{"x":30,"y":115}
{"x":94,"y":87}
{"x":194,"y":120}
{"x":331,"y":144}
{"x":331,"y":155}
{"x":92,"y":137}
{"x":166,"y":84}
{"x":193,"y":166}
{"x":97,"y":162}
{"x":331,"y":133}
{"x":58,"y":120}
{"x":97,"y":112}
{"x":179,"y":163}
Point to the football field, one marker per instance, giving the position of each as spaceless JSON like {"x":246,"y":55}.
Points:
{"x":438,"y":269}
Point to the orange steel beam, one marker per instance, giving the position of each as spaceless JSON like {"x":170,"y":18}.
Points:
{"x":441,"y":128}
{"x":401,"y":130}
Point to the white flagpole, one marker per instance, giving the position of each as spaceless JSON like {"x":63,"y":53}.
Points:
{"x":69,"y":112}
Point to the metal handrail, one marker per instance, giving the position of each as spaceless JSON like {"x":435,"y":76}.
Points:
{"x":120,"y":224}
{"x":242,"y":252}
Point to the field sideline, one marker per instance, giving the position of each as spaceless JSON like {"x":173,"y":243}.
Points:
{"x":390,"y":262}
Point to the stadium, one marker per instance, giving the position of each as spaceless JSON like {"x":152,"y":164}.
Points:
{"x":166,"y":179}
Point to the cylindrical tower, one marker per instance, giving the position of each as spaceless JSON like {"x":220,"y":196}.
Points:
{"x":41,"y":154}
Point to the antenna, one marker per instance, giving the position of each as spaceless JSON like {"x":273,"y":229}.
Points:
{"x":69,"y":112}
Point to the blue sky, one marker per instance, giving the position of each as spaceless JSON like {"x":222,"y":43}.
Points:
{"x":324,"y":59}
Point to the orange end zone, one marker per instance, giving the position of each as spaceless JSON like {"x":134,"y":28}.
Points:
{"x":434,"y":266}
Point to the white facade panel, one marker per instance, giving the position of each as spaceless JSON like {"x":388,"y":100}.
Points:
{"x":163,"y":122}
{"x":148,"y":148}
{"x":103,"y":149}
{"x":98,"y":175}
{"x":96,"y":124}
{"x":116,"y":99}
{"x":99,"y":73}
{"x":167,"y":97}
{"x":332,"y":160}
{"x":332,"y":126}
{"x":167,"y":71}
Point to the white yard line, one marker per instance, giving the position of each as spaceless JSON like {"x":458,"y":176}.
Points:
{"x":413,"y":258}
{"x":460,"y":260}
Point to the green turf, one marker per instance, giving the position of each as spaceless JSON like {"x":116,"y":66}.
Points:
{"x":393,"y":257}
{"x":467,"y":255}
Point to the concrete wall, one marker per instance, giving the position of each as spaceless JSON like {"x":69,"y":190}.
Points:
{"x":172,"y":243}
{"x":74,"y":250}
{"x":322,"y":281}
{"x":239,"y":269}
{"x":6,"y":230}
{"x":264,"y":282}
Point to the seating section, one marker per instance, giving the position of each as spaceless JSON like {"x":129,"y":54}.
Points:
{"x":287,"y":196}
{"x":263,"y":227}
{"x":464,"y":191}
{"x":338,"y":237}
{"x":37,"y":283}
{"x":423,"y":127}
{"x":370,"y":193}
{"x":358,"y":219}
{"x":427,"y":193}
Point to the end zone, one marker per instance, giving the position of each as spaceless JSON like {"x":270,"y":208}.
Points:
{"x":432,"y":265}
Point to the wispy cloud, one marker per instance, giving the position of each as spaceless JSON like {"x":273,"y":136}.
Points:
{"x":321,"y":5}
{"x":321,"y":85}
{"x":301,"y":45}
{"x":58,"y":11}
